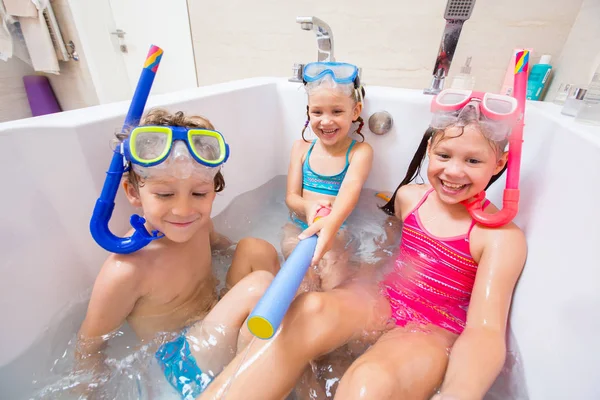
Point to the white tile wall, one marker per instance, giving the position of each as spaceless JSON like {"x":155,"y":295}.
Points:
{"x":581,"y":53}
{"x":13,"y":100}
{"x":395,"y":42}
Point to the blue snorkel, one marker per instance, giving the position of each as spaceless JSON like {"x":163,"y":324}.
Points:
{"x":106,"y":203}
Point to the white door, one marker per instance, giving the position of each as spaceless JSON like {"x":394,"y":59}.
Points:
{"x":142,"y":23}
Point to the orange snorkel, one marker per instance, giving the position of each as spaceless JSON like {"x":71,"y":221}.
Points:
{"x":510,"y":201}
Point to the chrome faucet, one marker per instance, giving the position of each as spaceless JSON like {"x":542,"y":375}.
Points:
{"x":324,"y":36}
{"x":457,"y":12}
{"x":324,"y":43}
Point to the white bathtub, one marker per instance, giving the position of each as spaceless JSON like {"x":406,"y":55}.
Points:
{"x":52,"y":169}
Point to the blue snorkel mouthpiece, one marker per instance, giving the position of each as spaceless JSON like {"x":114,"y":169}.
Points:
{"x":106,"y":202}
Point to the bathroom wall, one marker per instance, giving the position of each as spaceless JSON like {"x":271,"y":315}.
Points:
{"x":395,"y":42}
{"x":13,"y":100}
{"x":581,"y":53}
{"x":73,"y":87}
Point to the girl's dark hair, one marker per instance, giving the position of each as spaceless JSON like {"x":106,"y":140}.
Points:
{"x":159,"y":116}
{"x":414,"y":169}
{"x":360,"y":121}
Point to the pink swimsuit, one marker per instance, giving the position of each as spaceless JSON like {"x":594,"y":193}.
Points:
{"x":433,"y":277}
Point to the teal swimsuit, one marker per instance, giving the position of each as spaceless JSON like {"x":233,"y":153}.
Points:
{"x":323,"y":184}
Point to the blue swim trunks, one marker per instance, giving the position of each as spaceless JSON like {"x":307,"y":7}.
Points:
{"x":181,"y":370}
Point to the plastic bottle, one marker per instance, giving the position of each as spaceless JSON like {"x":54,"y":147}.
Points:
{"x":464,"y":80}
{"x":590,"y":109}
{"x":538,"y":78}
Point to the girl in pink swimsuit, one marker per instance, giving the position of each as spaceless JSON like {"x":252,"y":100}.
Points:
{"x":433,"y":278}
{"x":447,"y":296}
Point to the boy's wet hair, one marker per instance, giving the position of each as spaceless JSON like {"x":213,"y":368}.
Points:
{"x":162,"y":117}
{"x":414,"y":168}
{"x":355,"y":90}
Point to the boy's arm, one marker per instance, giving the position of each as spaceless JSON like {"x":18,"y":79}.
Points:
{"x":115,"y":292}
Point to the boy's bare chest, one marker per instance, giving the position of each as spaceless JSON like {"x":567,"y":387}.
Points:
{"x":177,"y":286}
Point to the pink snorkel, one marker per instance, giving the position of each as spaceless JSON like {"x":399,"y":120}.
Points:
{"x":510,"y":201}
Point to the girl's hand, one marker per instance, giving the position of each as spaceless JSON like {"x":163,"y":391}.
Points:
{"x":312,"y":207}
{"x":326,"y":232}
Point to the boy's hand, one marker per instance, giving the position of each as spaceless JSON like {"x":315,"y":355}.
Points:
{"x":91,"y":373}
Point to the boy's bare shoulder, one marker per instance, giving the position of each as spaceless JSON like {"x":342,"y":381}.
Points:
{"x":122,"y":270}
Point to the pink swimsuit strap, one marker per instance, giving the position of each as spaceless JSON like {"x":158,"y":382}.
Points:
{"x":433,"y":277}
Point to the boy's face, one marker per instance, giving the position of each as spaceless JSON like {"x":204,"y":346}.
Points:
{"x":179,"y":208}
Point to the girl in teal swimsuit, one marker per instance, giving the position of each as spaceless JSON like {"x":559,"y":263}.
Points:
{"x":328,"y":171}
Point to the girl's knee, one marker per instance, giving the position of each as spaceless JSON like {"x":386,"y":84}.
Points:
{"x":310,"y":304}
{"x":306,"y":315}
{"x":313,"y":318}
{"x":367,"y":379}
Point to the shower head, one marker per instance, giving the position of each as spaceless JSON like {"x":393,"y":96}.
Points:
{"x":459,"y":10}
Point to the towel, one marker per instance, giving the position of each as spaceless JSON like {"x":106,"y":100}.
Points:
{"x":39,"y":43}
{"x":6,"y":46}
{"x":20,"y":8}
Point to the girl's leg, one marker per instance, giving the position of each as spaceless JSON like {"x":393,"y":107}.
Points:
{"x":316,"y":323}
{"x":214,"y":340}
{"x":252,"y":254}
{"x":321,"y":379}
{"x":309,"y":387}
{"x":403,"y":364}
{"x":335,"y":266}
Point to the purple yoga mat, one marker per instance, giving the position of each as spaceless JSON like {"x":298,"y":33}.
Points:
{"x":41,"y":97}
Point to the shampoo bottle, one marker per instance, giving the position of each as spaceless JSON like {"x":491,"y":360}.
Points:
{"x":538,"y":78}
{"x":590,"y":109}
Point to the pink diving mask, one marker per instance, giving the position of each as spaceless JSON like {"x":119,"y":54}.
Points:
{"x":495,"y":113}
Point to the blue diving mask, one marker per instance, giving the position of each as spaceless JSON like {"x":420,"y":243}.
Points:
{"x":175,"y":151}
{"x":342,"y":73}
{"x":153,"y":151}
{"x":148,"y":146}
